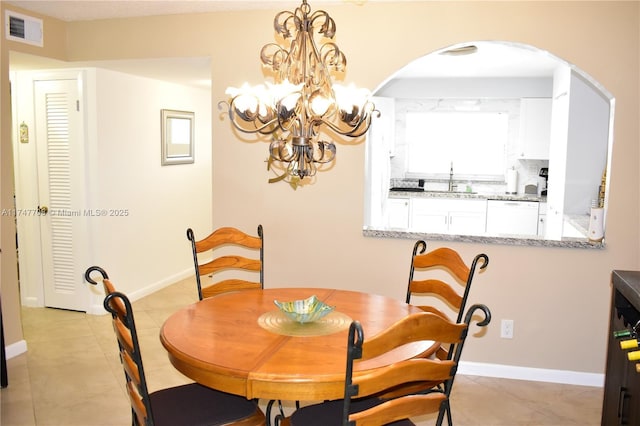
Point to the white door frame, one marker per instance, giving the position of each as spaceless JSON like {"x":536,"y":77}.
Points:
{"x":26,"y":183}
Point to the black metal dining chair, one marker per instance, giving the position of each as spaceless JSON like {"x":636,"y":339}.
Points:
{"x":440,"y":282}
{"x":362,"y":404}
{"x":189,"y":404}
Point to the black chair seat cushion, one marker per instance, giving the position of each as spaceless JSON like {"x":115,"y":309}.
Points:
{"x":194,"y":404}
{"x":330,"y":413}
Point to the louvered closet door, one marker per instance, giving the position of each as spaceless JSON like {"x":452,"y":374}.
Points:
{"x":58,"y":136}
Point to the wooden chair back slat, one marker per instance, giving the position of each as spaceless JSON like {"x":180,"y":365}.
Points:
{"x":398,"y":409}
{"x":439,"y":289}
{"x":412,"y":371}
{"x":413,"y":328}
{"x":442,"y":275}
{"x":229,"y":285}
{"x":123,"y":334}
{"x":218,"y":244}
{"x":445,"y":257}
{"x":115,"y":303}
{"x":131,"y":369}
{"x":230,"y":262}
{"x":228,"y":235}
{"x":137,"y":404}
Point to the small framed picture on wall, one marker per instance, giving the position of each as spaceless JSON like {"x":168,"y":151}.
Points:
{"x":177,"y":137}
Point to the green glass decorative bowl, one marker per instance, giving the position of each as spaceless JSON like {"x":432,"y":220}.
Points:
{"x":305,"y":310}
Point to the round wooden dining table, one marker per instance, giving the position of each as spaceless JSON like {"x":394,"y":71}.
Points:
{"x":242,"y":344}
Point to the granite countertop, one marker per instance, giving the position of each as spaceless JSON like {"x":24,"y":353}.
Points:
{"x":580,"y":222}
{"x":565,"y":242}
{"x":467,"y":195}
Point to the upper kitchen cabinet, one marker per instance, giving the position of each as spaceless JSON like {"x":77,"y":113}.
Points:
{"x":385,"y":124}
{"x":535,"y":128}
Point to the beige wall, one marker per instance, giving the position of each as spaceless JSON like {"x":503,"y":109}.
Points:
{"x":54,"y":48}
{"x":558,"y":298}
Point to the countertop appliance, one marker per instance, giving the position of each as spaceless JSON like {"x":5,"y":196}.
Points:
{"x":544,"y":173}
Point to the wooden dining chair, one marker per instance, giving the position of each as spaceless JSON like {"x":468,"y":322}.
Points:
{"x":440,"y":282}
{"x":189,"y":404}
{"x":224,"y":262}
{"x":362,"y":406}
{"x":247,"y":261}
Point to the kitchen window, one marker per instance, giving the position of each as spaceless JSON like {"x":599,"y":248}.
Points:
{"x":474,"y":142}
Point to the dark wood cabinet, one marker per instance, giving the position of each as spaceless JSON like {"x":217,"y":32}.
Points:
{"x":621,"y":404}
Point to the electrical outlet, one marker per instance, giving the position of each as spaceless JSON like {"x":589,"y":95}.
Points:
{"x":506,"y":329}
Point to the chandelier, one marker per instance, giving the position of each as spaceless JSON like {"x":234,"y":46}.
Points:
{"x":303,"y":101}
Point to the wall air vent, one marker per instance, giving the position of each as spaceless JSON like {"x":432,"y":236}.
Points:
{"x":22,"y":28}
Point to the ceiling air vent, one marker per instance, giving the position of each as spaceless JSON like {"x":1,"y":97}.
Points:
{"x":22,"y":28}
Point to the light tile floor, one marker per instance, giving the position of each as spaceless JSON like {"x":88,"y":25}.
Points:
{"x":71,"y":376}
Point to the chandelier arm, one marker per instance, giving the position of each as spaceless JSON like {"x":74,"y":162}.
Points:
{"x":301,"y":162}
{"x":277,"y":151}
{"x":273,"y":59}
{"x":333,"y":57}
{"x":365,"y":117}
{"x":264,"y":128}
{"x":309,"y":166}
{"x":283,"y":117}
{"x":353,"y":132}
{"x":282,"y":22}
{"x":325,"y":149}
{"x":328,"y":27}
{"x":260,"y":129}
{"x":267,"y":122}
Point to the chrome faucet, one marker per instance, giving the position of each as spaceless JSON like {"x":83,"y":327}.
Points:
{"x":451,"y":178}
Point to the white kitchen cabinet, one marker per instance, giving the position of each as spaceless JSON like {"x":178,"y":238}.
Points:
{"x":385,"y":124}
{"x":430,"y":215}
{"x":542,"y":219}
{"x":448,"y":216}
{"x":398,"y":213}
{"x":468,"y":219}
{"x":535,"y":128}
{"x":512,"y":217}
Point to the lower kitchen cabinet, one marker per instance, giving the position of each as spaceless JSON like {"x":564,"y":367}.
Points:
{"x":512,"y":217}
{"x":542,"y":219}
{"x":398,"y":213}
{"x":448,"y":216}
{"x":621,"y":405}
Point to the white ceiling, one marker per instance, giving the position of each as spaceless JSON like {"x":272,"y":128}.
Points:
{"x":490,"y":60}
{"x":88,"y":10}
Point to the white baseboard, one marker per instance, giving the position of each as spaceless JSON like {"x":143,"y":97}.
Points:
{"x":31,"y":302}
{"x":159,"y":285}
{"x":16,"y":349}
{"x":532,"y":374}
{"x":97,"y":309}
